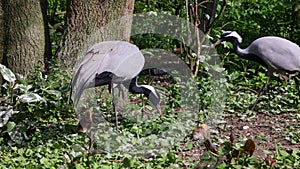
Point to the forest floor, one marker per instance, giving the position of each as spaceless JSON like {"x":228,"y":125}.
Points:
{"x":267,"y":131}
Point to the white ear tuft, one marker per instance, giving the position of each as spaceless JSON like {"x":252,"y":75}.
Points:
{"x":236,"y":35}
{"x":152,"y":89}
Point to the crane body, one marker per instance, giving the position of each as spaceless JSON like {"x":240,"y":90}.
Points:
{"x":112,"y":63}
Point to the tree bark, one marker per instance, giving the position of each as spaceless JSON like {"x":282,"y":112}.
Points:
{"x":90,"y":22}
{"x":2,"y":33}
{"x":25,"y":35}
{"x":295,"y":15}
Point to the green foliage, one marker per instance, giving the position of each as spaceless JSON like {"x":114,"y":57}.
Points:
{"x":288,"y":159}
{"x":176,"y":8}
{"x":238,"y":156}
{"x":253,"y":19}
{"x":41,"y":97}
{"x":56,"y":12}
{"x":232,"y":154}
{"x":16,"y":94}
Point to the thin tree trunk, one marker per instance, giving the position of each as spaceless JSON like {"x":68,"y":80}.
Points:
{"x":90,"y":22}
{"x":47,"y":52}
{"x":1,"y":35}
{"x":25,"y":35}
{"x":295,"y":17}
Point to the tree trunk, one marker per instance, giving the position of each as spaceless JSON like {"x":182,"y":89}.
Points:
{"x":295,"y":15}
{"x":25,"y":35}
{"x":90,"y":22}
{"x":1,"y":35}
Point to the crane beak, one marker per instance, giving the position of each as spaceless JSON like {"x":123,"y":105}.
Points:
{"x":217,"y":43}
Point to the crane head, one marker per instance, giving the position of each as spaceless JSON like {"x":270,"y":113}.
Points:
{"x":229,"y":36}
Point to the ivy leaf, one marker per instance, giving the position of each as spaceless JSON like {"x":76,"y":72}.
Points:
{"x":7,"y":74}
{"x":10,"y":126}
{"x":22,"y":87}
{"x":56,"y":93}
{"x":5,"y":115}
{"x":77,"y":148}
{"x":31,"y":97}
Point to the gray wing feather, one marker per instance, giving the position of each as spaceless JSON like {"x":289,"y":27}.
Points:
{"x":278,"y":53}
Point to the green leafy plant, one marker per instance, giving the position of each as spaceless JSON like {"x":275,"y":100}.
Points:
{"x":27,"y":101}
{"x":16,"y":93}
{"x":287,"y":159}
{"x":231,"y":154}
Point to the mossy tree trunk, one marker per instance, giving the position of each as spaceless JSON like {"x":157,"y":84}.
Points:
{"x":90,"y":22}
{"x":26,"y":35}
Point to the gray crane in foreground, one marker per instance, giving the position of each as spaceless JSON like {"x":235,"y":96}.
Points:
{"x":276,"y":54}
{"x":112,"y":63}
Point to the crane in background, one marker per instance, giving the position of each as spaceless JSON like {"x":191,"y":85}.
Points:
{"x":275,"y":53}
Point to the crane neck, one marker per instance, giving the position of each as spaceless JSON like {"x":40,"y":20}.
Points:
{"x":245,"y":54}
{"x":137,"y":89}
{"x":240,"y":52}
{"x":148,"y":91}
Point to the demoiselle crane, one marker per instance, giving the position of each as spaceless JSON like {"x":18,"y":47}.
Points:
{"x":112,"y":63}
{"x":276,"y":54}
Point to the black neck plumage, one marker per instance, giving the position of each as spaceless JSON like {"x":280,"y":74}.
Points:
{"x":136,"y":89}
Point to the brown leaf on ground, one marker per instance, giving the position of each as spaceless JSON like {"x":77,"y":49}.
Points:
{"x":249,"y":146}
{"x":232,"y":138}
{"x":209,"y":146}
{"x":270,"y":161}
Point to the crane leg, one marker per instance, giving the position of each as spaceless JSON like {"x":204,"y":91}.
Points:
{"x":263,"y":89}
{"x":115,"y":110}
{"x":116,"y":117}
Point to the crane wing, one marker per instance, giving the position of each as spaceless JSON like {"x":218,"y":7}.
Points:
{"x":122,"y":59}
{"x":278,"y":53}
{"x":125,"y":61}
